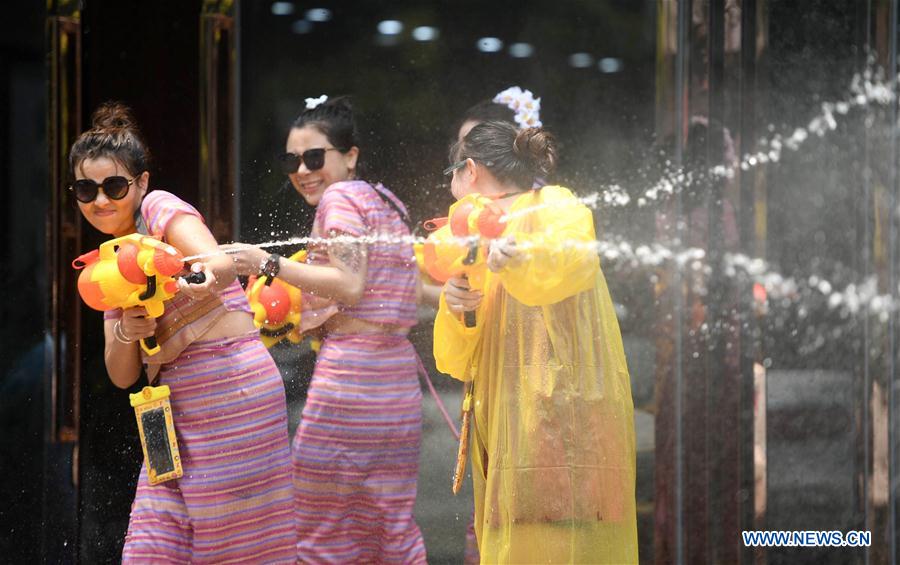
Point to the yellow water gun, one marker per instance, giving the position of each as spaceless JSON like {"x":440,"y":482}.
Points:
{"x":276,"y":307}
{"x":458,"y":247}
{"x":133,"y":270}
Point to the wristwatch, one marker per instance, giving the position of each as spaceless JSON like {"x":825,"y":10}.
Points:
{"x":270,"y":267}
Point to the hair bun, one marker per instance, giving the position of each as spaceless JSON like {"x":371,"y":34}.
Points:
{"x":330,"y":106}
{"x":537,"y":148}
{"x":113,"y":116}
{"x":339,"y":106}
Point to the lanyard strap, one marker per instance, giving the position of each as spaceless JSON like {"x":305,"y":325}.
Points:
{"x":437,"y":399}
{"x":404,"y":217}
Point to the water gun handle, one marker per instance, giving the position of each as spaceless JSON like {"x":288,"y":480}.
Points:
{"x":150,"y":345}
{"x":469,"y":318}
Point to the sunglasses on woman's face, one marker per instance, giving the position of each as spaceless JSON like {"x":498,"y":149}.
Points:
{"x":115,"y":188}
{"x":314,"y":159}
{"x":452,"y":168}
{"x":460,"y":164}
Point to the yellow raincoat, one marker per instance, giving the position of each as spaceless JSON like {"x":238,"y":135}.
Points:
{"x":552,"y":448}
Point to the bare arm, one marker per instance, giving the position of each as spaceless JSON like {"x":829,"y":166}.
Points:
{"x":123,"y":360}
{"x":190,"y":236}
{"x":344,"y":280}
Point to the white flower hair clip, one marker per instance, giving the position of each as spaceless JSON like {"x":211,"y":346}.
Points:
{"x":527,"y":108}
{"x":311,"y":103}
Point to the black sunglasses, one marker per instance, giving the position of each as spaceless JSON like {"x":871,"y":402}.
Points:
{"x":314,"y":159}
{"x":458,"y":165}
{"x":115,"y":188}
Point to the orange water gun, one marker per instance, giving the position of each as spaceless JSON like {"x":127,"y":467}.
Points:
{"x":458,"y":247}
{"x":276,"y":307}
{"x":133,"y":270}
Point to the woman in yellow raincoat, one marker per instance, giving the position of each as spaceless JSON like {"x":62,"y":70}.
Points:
{"x":552,"y":440}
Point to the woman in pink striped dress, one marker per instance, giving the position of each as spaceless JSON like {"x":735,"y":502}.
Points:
{"x":234,"y":502}
{"x":356,"y":453}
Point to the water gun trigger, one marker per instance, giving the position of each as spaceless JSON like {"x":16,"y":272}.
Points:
{"x":150,"y":291}
{"x":472,"y":255}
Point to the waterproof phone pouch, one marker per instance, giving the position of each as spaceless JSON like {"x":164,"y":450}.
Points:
{"x":154,"y":419}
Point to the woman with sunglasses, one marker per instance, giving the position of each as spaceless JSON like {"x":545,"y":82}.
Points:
{"x":518,"y":108}
{"x":356,"y":453}
{"x":552,"y":441}
{"x":234,"y":501}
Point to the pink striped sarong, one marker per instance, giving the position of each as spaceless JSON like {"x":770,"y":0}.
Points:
{"x":356,"y":454}
{"x":234,"y":502}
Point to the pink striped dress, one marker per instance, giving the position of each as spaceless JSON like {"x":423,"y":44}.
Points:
{"x":234,"y":502}
{"x":356,"y":453}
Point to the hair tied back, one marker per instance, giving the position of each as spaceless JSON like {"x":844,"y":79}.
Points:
{"x":312,"y":103}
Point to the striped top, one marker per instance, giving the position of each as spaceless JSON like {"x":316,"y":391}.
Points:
{"x":354,"y":208}
{"x":158,"y":208}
